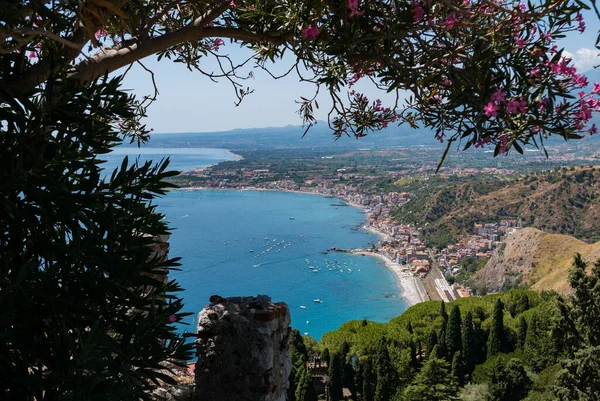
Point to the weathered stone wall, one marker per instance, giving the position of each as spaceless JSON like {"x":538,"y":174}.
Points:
{"x":243,"y":350}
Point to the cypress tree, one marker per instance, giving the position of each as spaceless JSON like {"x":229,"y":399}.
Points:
{"x":469,"y":351}
{"x":496,"y":339}
{"x":458,"y":368}
{"x":335,"y":378}
{"x":386,"y":374}
{"x":435,"y":352}
{"x":305,"y":391}
{"x":432,"y":341}
{"x":409,"y":328}
{"x":432,"y":383}
{"x":443,"y":313}
{"x":521,"y":332}
{"x":443,"y":350}
{"x":347,"y":369}
{"x":453,"y":332}
{"x":419,"y":352}
{"x":413,"y":354}
{"x":325,"y":357}
{"x":369,"y":380}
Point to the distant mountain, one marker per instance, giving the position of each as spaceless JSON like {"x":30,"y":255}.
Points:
{"x":536,"y":259}
{"x":287,"y":137}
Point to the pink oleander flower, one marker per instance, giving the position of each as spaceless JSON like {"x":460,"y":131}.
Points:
{"x":102,"y":33}
{"x":353,"y":7}
{"x":310,"y":32}
{"x":498,"y":96}
{"x":580,"y":80}
{"x":515,"y":106}
{"x":172,"y":319}
{"x":32,"y":55}
{"x":450,"y":21}
{"x":596,"y":90}
{"x":491,"y":109}
{"x":593,"y":130}
{"x":535,"y":72}
{"x":419,"y":14}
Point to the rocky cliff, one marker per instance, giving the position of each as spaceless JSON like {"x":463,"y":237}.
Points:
{"x":535,"y":259}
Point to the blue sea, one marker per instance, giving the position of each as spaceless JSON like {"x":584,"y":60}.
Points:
{"x":181,"y":159}
{"x":238,"y":243}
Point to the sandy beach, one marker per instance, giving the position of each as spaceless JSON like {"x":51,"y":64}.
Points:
{"x":411,"y":288}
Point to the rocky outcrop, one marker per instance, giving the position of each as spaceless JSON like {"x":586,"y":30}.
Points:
{"x":243,"y":350}
{"x":511,"y":261}
{"x":534,"y":259}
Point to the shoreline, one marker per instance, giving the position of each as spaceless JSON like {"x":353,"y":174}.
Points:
{"x":234,"y":155}
{"x":410,"y":290}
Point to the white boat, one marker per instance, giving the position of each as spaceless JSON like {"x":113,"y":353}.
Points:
{"x":318,"y":301}
{"x":251,"y":250}
{"x":292,"y":217}
{"x":302,"y":307}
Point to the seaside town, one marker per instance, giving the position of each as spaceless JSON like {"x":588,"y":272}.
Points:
{"x":422,"y":272}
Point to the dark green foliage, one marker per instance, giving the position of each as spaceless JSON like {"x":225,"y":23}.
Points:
{"x":540,"y":348}
{"x":386,"y":374}
{"x":432,"y":341}
{"x":586,"y":305}
{"x":442,"y":348}
{"x":443,"y":313}
{"x":469,"y":344}
{"x":297,"y":345}
{"x":300,"y":380}
{"x":305,"y":390}
{"x":432,"y":383}
{"x":453,"y":331}
{"x":347,"y":369}
{"x":458,"y":368}
{"x":335,"y":378}
{"x":325,"y":357}
{"x":579,"y":379}
{"x":369,"y":379}
{"x":413,"y":354}
{"x":496,"y":339}
{"x":508,"y":380}
{"x":83,"y":310}
{"x":521,"y":332}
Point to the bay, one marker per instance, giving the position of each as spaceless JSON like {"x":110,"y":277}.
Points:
{"x":181,"y":159}
{"x":239,"y":243}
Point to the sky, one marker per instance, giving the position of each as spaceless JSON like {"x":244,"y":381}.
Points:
{"x":191,"y":102}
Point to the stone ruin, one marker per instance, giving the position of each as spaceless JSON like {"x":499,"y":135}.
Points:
{"x":242,"y":346}
{"x":243,"y":350}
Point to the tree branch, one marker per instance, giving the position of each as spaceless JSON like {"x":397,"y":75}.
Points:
{"x":109,"y":60}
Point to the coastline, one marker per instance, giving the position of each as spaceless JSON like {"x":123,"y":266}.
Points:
{"x":234,"y":155}
{"x":411,"y":288}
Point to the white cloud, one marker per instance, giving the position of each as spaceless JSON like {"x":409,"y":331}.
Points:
{"x":584,"y":59}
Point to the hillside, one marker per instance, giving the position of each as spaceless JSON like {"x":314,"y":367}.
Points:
{"x":535,"y":258}
{"x":558,"y":202}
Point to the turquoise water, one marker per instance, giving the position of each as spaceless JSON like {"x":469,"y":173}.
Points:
{"x":182,"y":159}
{"x":216,"y":230}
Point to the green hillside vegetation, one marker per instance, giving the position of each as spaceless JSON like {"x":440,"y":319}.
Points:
{"x":519,"y":345}
{"x":563,"y":201}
